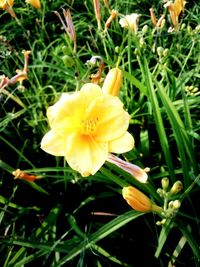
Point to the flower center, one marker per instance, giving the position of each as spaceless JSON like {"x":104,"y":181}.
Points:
{"x":88,"y":127}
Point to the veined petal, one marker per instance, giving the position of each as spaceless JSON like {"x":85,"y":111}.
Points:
{"x":113,"y":119}
{"x":53,"y":144}
{"x":122,"y":144}
{"x":85,"y":155}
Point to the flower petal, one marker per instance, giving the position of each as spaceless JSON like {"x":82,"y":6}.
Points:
{"x":53,"y":144}
{"x":85,"y":155}
{"x":113,"y":119}
{"x":122,"y":144}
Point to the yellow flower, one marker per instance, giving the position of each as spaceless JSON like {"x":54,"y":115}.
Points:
{"x":86,"y":126}
{"x":35,"y":3}
{"x":5,"y":4}
{"x":175,"y":10}
{"x":139,"y":201}
{"x":130,"y":21}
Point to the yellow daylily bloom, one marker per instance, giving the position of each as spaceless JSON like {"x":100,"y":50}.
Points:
{"x":175,"y":10}
{"x":130,"y":21}
{"x":139,"y":201}
{"x":86,"y":126}
{"x":34,"y":3}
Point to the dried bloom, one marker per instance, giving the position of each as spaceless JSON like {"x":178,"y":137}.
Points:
{"x":113,"y":82}
{"x":130,"y":21}
{"x":156,"y":23}
{"x":113,"y":15}
{"x":139,"y":201}
{"x":18,"y":174}
{"x":85,"y":127}
{"x":96,"y":78}
{"x":137,"y":172}
{"x":34,"y":3}
{"x":175,"y":10}
{"x":97,"y":10}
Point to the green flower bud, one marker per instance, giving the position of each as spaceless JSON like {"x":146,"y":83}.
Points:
{"x":176,"y":188}
{"x":68,"y":61}
{"x":176,"y":204}
{"x":165,"y":183}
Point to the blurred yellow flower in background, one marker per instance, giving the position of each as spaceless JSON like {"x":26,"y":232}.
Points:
{"x":86,"y":126}
{"x":5,"y":4}
{"x":130,"y":21}
{"x":175,"y":10}
{"x":35,"y":3}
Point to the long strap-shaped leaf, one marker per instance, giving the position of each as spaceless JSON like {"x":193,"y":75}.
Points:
{"x":158,"y":119}
{"x":100,"y":234}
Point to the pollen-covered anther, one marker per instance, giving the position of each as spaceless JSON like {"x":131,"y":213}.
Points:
{"x":88,"y":127}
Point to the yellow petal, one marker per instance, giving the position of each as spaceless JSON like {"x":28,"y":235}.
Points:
{"x":113,"y":119}
{"x":53,"y":144}
{"x":112,"y":82}
{"x":123,"y":144}
{"x":85,"y":155}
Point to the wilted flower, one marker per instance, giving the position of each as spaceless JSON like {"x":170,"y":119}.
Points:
{"x":139,"y":201}
{"x":113,"y":15}
{"x":18,"y":174}
{"x":130,"y":21}
{"x":86,"y":126}
{"x":139,"y":173}
{"x":34,"y":3}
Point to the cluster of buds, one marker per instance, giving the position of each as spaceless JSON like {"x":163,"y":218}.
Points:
{"x":192,"y":90}
{"x":171,"y":205}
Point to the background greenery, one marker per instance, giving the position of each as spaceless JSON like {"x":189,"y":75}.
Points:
{"x":62,"y":218}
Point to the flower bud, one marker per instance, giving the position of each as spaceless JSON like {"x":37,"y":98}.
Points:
{"x":112,"y":82}
{"x":68,"y":61}
{"x":176,"y":204}
{"x":176,"y":188}
{"x":138,"y":201}
{"x":165,"y":183}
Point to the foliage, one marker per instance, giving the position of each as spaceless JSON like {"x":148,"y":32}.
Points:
{"x":61,"y":217}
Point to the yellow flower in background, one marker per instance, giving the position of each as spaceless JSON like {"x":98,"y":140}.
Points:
{"x":130,"y":21}
{"x":85,"y":127}
{"x":139,"y":201}
{"x":175,"y":10}
{"x":5,"y":4}
{"x":35,"y":3}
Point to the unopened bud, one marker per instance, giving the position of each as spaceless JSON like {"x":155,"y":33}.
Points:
{"x":165,"y":183}
{"x":139,"y":201}
{"x":176,"y":188}
{"x":112,"y":82}
{"x":160,"y":51}
{"x":68,"y":61}
{"x":176,"y":204}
